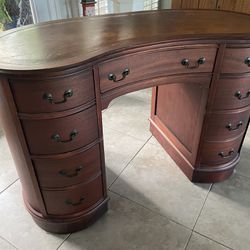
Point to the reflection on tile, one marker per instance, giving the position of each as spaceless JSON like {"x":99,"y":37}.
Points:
{"x":4,"y":245}
{"x":8,"y":173}
{"x":198,"y":242}
{"x":129,"y":115}
{"x":18,"y":227}
{"x":128,"y":226}
{"x":153,"y":180}
{"x":119,"y":150}
{"x":226,"y":214}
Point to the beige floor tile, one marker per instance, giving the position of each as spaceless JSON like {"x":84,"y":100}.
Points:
{"x":119,"y":150}
{"x":129,"y":115}
{"x":128,"y":226}
{"x":198,"y":242}
{"x":141,"y":95}
{"x":153,"y":180}
{"x":226,"y":214}
{"x":18,"y":227}
{"x":5,"y":245}
{"x":153,"y":141}
{"x":243,"y":167}
{"x":8,"y":172}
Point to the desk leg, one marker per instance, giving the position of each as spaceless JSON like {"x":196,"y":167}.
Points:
{"x":177,"y":121}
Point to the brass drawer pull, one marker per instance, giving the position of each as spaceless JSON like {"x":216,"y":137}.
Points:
{"x":112,"y":77}
{"x":67,"y":94}
{"x":200,"y":61}
{"x":66,"y":174}
{"x":239,"y":95}
{"x":229,"y":126}
{"x":70,"y":202}
{"x":57,"y":137}
{"x":247,"y":61}
{"x":221,"y":154}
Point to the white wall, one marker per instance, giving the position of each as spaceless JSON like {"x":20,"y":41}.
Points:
{"x":47,"y":10}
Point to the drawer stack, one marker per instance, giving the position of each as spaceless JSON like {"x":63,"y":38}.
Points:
{"x":229,"y":117}
{"x":61,"y":131}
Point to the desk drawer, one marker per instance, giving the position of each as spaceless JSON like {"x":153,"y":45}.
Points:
{"x":236,"y":60}
{"x":128,"y":69}
{"x":69,"y":171}
{"x":215,"y":153}
{"x":224,"y":126}
{"x":232,"y":93}
{"x":57,"y":94}
{"x":55,"y":136}
{"x":73,"y":200}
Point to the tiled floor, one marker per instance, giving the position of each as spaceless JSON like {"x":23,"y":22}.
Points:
{"x":153,"y":206}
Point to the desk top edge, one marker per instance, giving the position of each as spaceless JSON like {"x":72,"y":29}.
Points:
{"x":68,"y":43}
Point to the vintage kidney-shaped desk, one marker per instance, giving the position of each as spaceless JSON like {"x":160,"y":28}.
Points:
{"x":56,"y":77}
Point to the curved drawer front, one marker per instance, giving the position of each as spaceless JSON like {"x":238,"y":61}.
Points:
{"x":215,"y":153}
{"x":232,"y":93}
{"x":228,"y":125}
{"x":68,"y":171}
{"x":57,"y":94}
{"x":128,"y":69}
{"x":73,"y":200}
{"x":55,"y":136}
{"x":236,"y":60}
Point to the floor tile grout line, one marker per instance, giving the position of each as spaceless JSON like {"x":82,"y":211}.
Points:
{"x":63,"y":241}
{"x":210,"y":188}
{"x":8,"y":242}
{"x":193,"y":230}
{"x":189,"y":238}
{"x":9,"y":186}
{"x":130,"y":161}
{"x":153,"y":211}
{"x":203,"y":205}
{"x":124,"y":133}
{"x":205,"y":236}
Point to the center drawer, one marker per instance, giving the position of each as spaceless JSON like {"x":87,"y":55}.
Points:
{"x":60,"y":135}
{"x":59,"y":173}
{"x":127,"y":69}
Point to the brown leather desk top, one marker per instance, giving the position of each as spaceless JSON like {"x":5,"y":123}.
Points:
{"x":71,"y":42}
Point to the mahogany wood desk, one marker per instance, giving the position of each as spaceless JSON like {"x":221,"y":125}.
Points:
{"x":56,"y":77}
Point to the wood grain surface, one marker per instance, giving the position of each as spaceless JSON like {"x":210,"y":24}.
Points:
{"x":64,"y":43}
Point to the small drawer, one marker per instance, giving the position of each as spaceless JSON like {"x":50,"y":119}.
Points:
{"x":60,"y":135}
{"x":57,"y":94}
{"x":59,"y":173}
{"x":73,"y":200}
{"x":232,"y":93}
{"x":215,"y":153}
{"x":137,"y":67}
{"x":236,"y":60}
{"x":224,"y":126}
